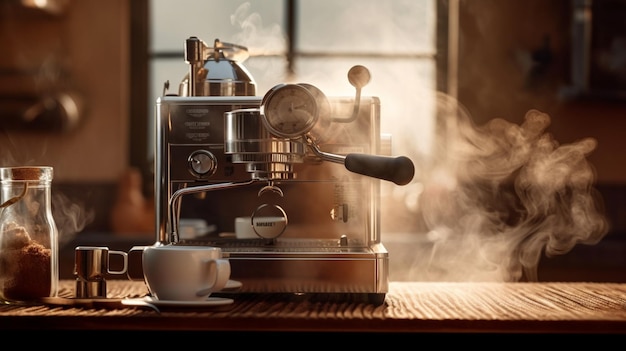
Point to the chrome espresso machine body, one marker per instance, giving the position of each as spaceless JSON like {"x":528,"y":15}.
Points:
{"x":287,"y":183}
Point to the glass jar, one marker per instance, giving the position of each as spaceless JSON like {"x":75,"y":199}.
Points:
{"x":28,"y":235}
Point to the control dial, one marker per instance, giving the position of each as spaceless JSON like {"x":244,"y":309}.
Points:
{"x":202,"y":163}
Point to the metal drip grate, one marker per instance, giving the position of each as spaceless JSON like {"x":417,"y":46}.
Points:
{"x":282,"y":245}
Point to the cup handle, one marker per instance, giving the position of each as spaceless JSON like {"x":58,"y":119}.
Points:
{"x":124,"y":257}
{"x":135,"y":258}
{"x":222,"y":274}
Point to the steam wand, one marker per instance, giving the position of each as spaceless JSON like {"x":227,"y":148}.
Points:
{"x":174,"y":201}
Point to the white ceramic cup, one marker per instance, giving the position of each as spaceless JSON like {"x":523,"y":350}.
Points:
{"x":184,"y":273}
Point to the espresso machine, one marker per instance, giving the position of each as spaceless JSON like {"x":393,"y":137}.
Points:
{"x":286,"y":182}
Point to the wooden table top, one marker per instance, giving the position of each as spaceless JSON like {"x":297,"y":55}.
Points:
{"x":409,"y":307}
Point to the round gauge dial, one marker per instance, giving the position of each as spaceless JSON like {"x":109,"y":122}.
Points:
{"x":289,"y":110}
{"x":321,"y":128}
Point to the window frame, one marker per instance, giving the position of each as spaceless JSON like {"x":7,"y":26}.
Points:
{"x":140,"y":57}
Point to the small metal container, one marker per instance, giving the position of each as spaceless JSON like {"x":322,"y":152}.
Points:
{"x":91,"y":266}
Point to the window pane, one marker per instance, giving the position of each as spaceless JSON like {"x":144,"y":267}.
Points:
{"x":267,"y":71}
{"x":252,"y":23}
{"x":402,"y":33}
{"x":256,"y":24}
{"x":405,"y":87}
{"x":373,"y":26}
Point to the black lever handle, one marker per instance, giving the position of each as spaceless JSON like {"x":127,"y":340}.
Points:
{"x":399,"y":170}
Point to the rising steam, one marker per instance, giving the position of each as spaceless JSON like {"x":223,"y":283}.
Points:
{"x":491,"y":200}
{"x":70,"y":216}
{"x":503,"y":195}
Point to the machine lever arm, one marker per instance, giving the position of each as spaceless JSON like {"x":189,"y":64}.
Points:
{"x":399,"y":170}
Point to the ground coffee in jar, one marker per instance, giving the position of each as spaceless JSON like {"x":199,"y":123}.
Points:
{"x":28,"y":235}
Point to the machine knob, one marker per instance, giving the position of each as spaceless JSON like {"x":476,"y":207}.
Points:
{"x":202,"y":163}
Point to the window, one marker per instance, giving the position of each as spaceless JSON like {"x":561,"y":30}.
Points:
{"x":314,"y":42}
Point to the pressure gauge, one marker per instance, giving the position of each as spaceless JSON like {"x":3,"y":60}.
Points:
{"x":289,"y":110}
{"x":321,"y":130}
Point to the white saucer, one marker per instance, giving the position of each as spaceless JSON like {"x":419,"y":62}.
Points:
{"x":232,"y":285}
{"x":209,"y":302}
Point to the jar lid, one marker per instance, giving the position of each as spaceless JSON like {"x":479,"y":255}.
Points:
{"x":26,"y":173}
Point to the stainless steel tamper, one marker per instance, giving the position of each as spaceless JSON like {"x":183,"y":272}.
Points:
{"x":91,"y":266}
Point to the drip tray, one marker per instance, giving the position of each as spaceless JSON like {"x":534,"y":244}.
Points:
{"x":261,"y":246}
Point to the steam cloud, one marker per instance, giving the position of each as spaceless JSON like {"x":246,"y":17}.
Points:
{"x":490,"y":200}
{"x":70,"y":216}
{"x":503,"y":195}
{"x":259,"y":39}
